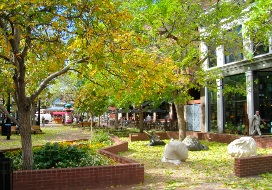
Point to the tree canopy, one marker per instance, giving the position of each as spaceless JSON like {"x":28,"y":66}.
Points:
{"x":127,"y":48}
{"x":43,"y":40}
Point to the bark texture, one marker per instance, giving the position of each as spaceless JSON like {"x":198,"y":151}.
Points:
{"x":181,"y":121}
{"x":24,"y":112}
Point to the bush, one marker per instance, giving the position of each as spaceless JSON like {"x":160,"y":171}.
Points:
{"x":66,"y":155}
{"x":101,"y":136}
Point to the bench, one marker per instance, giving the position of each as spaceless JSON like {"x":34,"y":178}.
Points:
{"x":14,"y":130}
{"x":36,"y":129}
{"x":85,"y":124}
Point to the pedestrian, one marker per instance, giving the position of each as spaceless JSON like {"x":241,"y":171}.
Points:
{"x":256,"y":121}
{"x":43,"y":121}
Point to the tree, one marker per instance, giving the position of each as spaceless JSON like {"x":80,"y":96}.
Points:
{"x":258,"y":25}
{"x":143,"y":79}
{"x":42,"y":40}
{"x":177,"y":29}
{"x":92,"y":98}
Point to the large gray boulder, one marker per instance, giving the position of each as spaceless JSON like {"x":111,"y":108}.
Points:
{"x":175,"y":152}
{"x":243,"y":147}
{"x":193,"y":144}
{"x":154,"y":139}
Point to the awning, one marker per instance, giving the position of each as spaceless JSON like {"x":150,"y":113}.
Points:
{"x":58,"y":113}
{"x":56,"y":108}
{"x":68,"y":105}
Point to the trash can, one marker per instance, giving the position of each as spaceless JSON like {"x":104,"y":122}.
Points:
{"x":6,"y":178}
{"x":6,"y":130}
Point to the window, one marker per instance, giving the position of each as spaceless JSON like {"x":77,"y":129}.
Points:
{"x":263,"y":95}
{"x":212,"y":59}
{"x":234,"y":45}
{"x":235,"y":99}
{"x":212,"y":111}
{"x":260,"y":48}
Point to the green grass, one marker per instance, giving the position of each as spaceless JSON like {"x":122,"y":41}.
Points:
{"x":213,"y":167}
{"x":51,"y":134}
{"x":210,"y":167}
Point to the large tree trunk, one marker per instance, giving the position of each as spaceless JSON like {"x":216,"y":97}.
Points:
{"x":25,"y":131}
{"x":181,"y":121}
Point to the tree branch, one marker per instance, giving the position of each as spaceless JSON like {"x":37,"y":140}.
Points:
{"x":44,"y":84}
{"x":27,"y":42}
{"x":8,"y":115}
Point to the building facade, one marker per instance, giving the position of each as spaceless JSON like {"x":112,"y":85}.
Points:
{"x":246,"y":87}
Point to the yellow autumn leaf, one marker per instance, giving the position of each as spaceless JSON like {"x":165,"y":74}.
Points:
{"x":55,"y":24}
{"x":2,"y":6}
{"x":62,"y":18}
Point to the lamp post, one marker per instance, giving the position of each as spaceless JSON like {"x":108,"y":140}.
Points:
{"x":7,"y":125}
{"x":8,"y":109}
{"x":39,"y":112}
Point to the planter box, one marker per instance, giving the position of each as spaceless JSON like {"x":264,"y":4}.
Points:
{"x":127,"y":172}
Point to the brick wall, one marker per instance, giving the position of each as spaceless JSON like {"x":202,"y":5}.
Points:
{"x":265,"y":142}
{"x":253,"y":165}
{"x":162,"y":135}
{"x":223,"y":138}
{"x":127,"y":172}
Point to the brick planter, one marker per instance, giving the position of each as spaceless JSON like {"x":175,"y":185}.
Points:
{"x":127,"y":172}
{"x":253,"y":165}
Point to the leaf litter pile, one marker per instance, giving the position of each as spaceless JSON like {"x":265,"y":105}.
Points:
{"x":206,"y":169}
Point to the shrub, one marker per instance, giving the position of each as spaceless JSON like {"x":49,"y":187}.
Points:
{"x":65,"y":155}
{"x":101,"y":136}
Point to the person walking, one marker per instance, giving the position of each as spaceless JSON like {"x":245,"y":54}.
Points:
{"x":43,"y":121}
{"x":256,"y":121}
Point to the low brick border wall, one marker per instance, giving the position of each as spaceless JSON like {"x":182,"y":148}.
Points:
{"x":127,"y":172}
{"x":162,"y":135}
{"x":254,"y":165}
{"x":265,"y":142}
{"x":222,"y":138}
{"x":243,"y":167}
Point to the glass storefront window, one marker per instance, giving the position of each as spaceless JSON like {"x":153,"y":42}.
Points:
{"x":263,"y":98}
{"x":212,"y":111}
{"x":234,"y":90}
